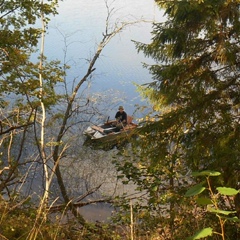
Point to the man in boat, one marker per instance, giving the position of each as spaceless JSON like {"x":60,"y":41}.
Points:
{"x":121,"y":122}
{"x":121,"y":118}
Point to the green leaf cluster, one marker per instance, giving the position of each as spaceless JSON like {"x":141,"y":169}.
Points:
{"x":19,"y":38}
{"x":20,"y":90}
{"x":213,"y":203}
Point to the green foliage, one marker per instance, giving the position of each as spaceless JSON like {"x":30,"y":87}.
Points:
{"x":202,"y":234}
{"x":18,"y":220}
{"x":213,"y":204}
{"x":195,"y":97}
{"x":195,"y":190}
{"x":227,"y":191}
{"x":20,"y":91}
{"x":19,"y":37}
{"x":206,"y":173}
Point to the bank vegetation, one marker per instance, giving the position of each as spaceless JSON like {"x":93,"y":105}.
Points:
{"x":179,"y":179}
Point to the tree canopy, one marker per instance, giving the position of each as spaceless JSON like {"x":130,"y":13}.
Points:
{"x":196,"y":87}
{"x":195,"y":97}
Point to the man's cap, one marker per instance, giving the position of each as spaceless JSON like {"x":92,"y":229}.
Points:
{"x":120,"y":107}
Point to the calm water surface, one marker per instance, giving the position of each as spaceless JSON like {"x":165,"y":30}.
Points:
{"x":77,"y":30}
{"x":79,"y":26}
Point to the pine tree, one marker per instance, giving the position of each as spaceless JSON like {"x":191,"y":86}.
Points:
{"x":197,"y":81}
{"x":195,"y":94}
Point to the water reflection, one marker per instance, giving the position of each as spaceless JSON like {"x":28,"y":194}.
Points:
{"x":79,"y":26}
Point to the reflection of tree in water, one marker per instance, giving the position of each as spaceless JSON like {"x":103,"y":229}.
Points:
{"x":91,"y":169}
{"x":91,"y":178}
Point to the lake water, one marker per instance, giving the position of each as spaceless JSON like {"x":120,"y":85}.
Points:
{"x":80,"y":25}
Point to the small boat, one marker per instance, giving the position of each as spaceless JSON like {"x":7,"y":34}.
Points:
{"x":107,"y":135}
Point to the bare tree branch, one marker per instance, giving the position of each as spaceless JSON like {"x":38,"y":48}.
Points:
{"x":107,"y":36}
